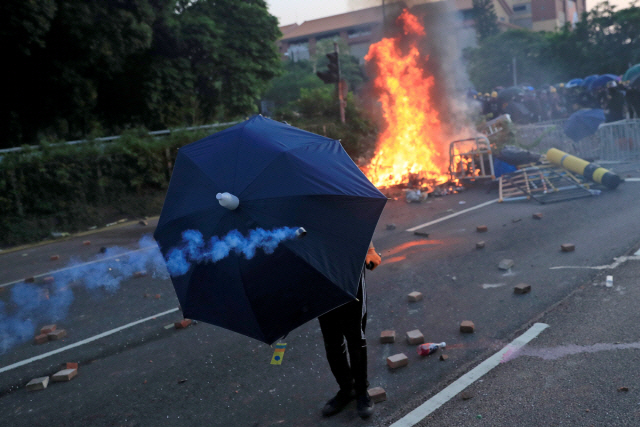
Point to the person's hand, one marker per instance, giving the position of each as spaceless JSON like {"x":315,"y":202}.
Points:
{"x":373,"y":259}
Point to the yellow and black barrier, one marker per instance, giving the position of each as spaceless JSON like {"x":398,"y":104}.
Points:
{"x":591,"y":171}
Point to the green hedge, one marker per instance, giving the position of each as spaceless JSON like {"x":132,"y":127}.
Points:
{"x":61,"y":187}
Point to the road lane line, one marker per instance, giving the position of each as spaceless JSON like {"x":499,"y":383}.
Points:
{"x":80,"y":265}
{"x":615,"y":264}
{"x":85,"y":341}
{"x":418,"y":414}
{"x":426,"y":224}
{"x":632,"y":180}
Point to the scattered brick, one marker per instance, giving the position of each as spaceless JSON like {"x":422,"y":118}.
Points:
{"x":57,"y":334}
{"x":143,"y":222}
{"x":72,"y":365}
{"x":480,"y":244}
{"x":421,"y":233}
{"x":41,"y":339}
{"x":103,"y":250}
{"x":377,"y":394}
{"x":29,"y":279}
{"x":505,"y":264}
{"x":482,"y":229}
{"x":397,"y":360}
{"x":443,"y":357}
{"x":49,"y":328}
{"x":415,"y":296}
{"x":568,"y":247}
{"x":139,"y":274}
{"x":466,"y":395}
{"x":467,"y":326}
{"x":157,"y":296}
{"x":537,"y":215}
{"x":49,"y":279}
{"x":54,"y":257}
{"x":64,"y":375}
{"x":415,"y":337}
{"x":623,"y":388}
{"x":522,"y":288}
{"x":182,"y":324}
{"x":387,"y":337}
{"x":38,"y":384}
{"x":86,"y":242}
{"x":391,"y":226}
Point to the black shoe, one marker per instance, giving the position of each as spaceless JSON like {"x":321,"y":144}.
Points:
{"x":338,"y":402}
{"x":365,"y":405}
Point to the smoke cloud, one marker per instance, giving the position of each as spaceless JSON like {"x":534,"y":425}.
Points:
{"x":32,"y":305}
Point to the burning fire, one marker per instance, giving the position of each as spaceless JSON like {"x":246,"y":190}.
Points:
{"x":408,"y":147}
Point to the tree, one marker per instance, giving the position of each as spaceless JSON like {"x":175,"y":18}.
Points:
{"x":486,"y":20}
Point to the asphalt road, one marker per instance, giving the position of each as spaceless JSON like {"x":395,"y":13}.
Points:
{"x":150,"y":375}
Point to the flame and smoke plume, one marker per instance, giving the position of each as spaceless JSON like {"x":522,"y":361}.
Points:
{"x":411,"y":143}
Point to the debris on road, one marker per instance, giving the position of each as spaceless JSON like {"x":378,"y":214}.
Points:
{"x":623,"y":388}
{"x":38,"y":384}
{"x":482,"y":229}
{"x":49,"y":328}
{"x":49,"y":279}
{"x":467,"y":327}
{"x":57,"y":235}
{"x":64,"y":375}
{"x":54,"y":257}
{"x":397,"y":360}
{"x":387,"y":337}
{"x":567,"y":247}
{"x":516,"y":220}
{"x":71,"y":365}
{"x":522,"y":288}
{"x":41,"y":339}
{"x":430,"y":348}
{"x":415,"y":296}
{"x":391,"y":226}
{"x":421,"y":233}
{"x":57,"y":334}
{"x":86,"y":243}
{"x":139,"y":274}
{"x":537,"y":215}
{"x":505,"y":264}
{"x":30,"y":279}
{"x":182,"y":324}
{"x":444,"y":357}
{"x":143,"y":222}
{"x":466,"y":395}
{"x":415,"y":337}
{"x":609,"y":282}
{"x":103,"y":250}
{"x":377,"y":394}
{"x":416,"y":196}
{"x":480,"y":244}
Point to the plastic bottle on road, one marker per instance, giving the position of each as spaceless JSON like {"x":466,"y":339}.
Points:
{"x":430,"y":347}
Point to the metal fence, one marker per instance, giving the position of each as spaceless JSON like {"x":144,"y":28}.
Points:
{"x":616,"y":141}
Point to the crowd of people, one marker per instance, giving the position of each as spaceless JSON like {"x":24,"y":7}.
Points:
{"x":525,"y":104}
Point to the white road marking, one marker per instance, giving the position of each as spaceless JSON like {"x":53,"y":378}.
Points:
{"x":495,"y":285}
{"x":418,"y":414}
{"x":632,"y":180}
{"x":80,"y":265}
{"x":615,"y":264}
{"x":85,"y":341}
{"x":444,"y":218}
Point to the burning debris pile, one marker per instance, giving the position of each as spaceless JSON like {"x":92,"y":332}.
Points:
{"x":412,"y":150}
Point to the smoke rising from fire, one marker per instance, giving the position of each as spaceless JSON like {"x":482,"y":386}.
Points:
{"x":32,"y":305}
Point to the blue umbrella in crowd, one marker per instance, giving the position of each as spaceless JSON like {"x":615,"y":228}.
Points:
{"x":587,"y":80}
{"x":583,"y":123}
{"x":574,"y":82}
{"x":602,"y":80}
{"x":227,"y":194}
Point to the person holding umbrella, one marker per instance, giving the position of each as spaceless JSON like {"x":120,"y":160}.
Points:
{"x":348,"y":322}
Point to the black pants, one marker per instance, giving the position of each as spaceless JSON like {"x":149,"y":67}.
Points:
{"x":347,"y":322}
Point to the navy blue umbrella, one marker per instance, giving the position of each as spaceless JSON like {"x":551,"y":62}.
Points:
{"x":583,"y":123}
{"x":281,"y":177}
{"x":601,"y":81}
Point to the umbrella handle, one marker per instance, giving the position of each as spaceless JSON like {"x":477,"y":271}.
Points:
{"x":227,"y":200}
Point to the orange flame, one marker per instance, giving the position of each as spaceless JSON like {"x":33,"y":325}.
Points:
{"x":408,"y":145}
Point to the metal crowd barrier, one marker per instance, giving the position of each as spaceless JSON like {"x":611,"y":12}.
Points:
{"x":615,"y":141}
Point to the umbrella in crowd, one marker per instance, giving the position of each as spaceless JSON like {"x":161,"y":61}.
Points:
{"x":574,"y":82}
{"x":602,"y":80}
{"x":506,"y":95}
{"x":583,"y":123}
{"x":631,"y":73}
{"x":588,"y":80}
{"x":257,"y":176}
{"x":635,"y":82}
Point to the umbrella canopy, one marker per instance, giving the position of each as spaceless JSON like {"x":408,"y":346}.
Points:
{"x":631,"y":73}
{"x":510,"y":93}
{"x":587,"y":80}
{"x":601,"y":81}
{"x":583,"y":123}
{"x":635,"y":82}
{"x":282,"y":177}
{"x":574,"y":83}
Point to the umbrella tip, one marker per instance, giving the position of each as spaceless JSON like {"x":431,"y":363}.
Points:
{"x":301,"y":232}
{"x":227,"y":200}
